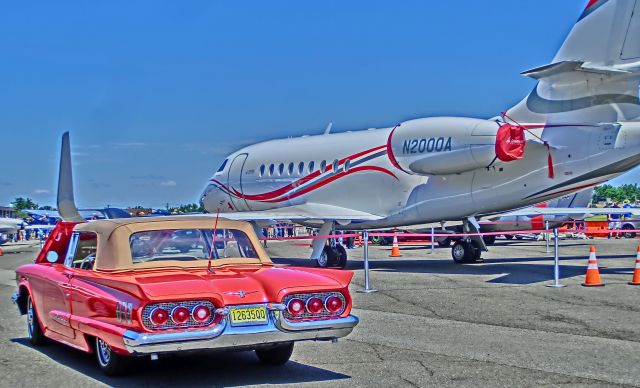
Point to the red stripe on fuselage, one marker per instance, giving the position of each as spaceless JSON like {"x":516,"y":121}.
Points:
{"x":273,"y":195}
{"x":333,"y":178}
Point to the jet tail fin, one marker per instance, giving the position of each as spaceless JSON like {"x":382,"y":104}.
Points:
{"x":595,"y":75}
{"x":66,"y":202}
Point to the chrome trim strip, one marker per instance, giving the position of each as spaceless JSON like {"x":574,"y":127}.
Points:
{"x":224,"y":336}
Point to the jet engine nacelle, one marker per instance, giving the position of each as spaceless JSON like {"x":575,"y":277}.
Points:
{"x":443,"y":145}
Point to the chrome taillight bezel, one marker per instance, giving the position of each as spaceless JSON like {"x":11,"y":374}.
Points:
{"x":196,"y":318}
{"x":306,"y":297}
{"x":154,"y":310}
{"x":302,"y":303}
{"x":170,"y":307}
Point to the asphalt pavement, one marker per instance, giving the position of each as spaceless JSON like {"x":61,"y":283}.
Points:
{"x":431,"y":322}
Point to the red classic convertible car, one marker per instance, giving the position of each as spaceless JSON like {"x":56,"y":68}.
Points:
{"x":147,"y":286}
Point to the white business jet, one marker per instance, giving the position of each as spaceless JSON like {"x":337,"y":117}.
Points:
{"x":578,"y":128}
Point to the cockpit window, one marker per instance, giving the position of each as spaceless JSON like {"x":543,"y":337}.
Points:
{"x":224,"y":164}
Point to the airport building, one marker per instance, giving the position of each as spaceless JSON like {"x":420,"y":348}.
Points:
{"x":7,"y":212}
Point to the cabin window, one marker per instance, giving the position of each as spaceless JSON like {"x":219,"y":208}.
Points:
{"x":312,"y":166}
{"x":291,"y":167}
{"x":347,"y":165}
{"x":281,"y":169}
{"x":336,"y":165}
{"x":301,"y":168}
{"x":261,"y":170}
{"x":82,"y":250}
{"x":323,"y":165}
{"x":272,"y":169}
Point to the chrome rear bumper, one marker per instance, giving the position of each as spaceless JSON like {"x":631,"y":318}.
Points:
{"x":226,"y":336}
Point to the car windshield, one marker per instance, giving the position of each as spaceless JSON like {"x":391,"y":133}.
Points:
{"x":190,"y":245}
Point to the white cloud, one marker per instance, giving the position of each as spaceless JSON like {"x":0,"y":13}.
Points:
{"x":168,"y":183}
{"x":41,"y":191}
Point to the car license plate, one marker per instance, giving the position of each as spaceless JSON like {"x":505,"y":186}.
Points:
{"x":248,"y":315}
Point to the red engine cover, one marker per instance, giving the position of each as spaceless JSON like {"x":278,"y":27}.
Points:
{"x":510,"y":143}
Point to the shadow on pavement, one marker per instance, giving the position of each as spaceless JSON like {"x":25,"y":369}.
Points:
{"x":195,"y":369}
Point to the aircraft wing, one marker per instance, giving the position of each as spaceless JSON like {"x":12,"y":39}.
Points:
{"x":306,"y":212}
{"x":553,"y":211}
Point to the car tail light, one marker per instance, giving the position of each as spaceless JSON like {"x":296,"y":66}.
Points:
{"x":159,"y":316}
{"x":314,"y":306}
{"x":333,"y":304}
{"x":180,"y":315}
{"x":295,"y":307}
{"x":201,"y":313}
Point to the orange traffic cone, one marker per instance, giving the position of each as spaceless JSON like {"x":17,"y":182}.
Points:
{"x":593,"y":273}
{"x":395,"y":249}
{"x":636,"y":272}
{"x":1,"y":253}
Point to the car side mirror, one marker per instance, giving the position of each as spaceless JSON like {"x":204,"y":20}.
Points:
{"x":52,"y":257}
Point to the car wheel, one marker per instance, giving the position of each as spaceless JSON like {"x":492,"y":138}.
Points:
{"x":342,"y":256}
{"x":277,"y":355}
{"x":508,"y":236}
{"x":111,"y":363}
{"x":34,"y":330}
{"x":460,"y":252}
{"x":628,"y":234}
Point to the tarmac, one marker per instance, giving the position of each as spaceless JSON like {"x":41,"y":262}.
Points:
{"x":431,"y":322}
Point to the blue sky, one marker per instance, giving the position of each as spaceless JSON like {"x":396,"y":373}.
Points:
{"x":156,"y":93}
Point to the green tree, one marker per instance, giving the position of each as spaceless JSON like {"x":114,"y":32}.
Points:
{"x":24,"y":203}
{"x":189,"y":208}
{"x":628,"y":192}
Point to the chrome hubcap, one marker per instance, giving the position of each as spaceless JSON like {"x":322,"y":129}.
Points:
{"x":104,"y":352}
{"x":30,"y":317}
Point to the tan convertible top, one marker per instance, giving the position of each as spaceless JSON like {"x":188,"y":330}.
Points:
{"x":114,"y":252}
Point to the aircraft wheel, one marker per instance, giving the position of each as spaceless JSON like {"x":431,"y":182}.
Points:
{"x":476,"y":254}
{"x":462,"y":252}
{"x":489,"y":239}
{"x":342,"y":256}
{"x":508,"y":236}
{"x":444,"y":243}
{"x":323,"y":260}
{"x":628,"y":234}
{"x":331,"y":257}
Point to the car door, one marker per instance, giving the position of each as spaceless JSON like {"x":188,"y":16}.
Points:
{"x":57,"y":292}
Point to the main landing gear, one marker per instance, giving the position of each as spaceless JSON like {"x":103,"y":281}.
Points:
{"x":328,"y":252}
{"x":469,"y":249}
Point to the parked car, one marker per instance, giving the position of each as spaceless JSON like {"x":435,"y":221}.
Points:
{"x":127,"y":288}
